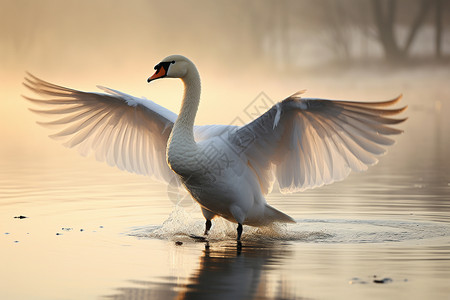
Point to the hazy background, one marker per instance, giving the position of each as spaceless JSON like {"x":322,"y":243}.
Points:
{"x":355,"y":50}
{"x":336,"y":49}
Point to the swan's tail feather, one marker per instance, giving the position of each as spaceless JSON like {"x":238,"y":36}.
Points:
{"x":274,"y":215}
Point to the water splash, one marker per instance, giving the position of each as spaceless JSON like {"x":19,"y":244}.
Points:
{"x":182,"y":223}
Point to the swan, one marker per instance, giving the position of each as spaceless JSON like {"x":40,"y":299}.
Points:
{"x":300,"y":143}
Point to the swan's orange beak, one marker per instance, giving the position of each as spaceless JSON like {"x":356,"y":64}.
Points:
{"x":160,"y":72}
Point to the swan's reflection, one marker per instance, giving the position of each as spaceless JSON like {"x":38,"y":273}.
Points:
{"x":233,"y":271}
{"x":226,"y":271}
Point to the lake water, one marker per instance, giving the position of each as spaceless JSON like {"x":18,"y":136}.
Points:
{"x":93,"y":232}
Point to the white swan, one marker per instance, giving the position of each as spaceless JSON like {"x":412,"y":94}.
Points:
{"x":300,"y":143}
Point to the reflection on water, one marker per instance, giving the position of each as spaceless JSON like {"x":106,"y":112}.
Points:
{"x":265,"y":265}
{"x":287,"y":270}
{"x":225,"y":271}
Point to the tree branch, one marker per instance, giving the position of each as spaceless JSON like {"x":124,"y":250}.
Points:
{"x":424,"y":8}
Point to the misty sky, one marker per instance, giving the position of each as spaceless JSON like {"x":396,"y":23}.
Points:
{"x":81,"y":44}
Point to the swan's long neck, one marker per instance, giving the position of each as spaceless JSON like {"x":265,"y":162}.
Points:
{"x":181,"y":141}
{"x":184,"y":126}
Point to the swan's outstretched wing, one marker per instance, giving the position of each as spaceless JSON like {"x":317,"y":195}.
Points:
{"x":306,"y":143}
{"x":128,"y":132}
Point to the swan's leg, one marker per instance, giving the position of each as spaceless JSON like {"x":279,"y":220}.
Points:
{"x":209,"y":215}
{"x":208,"y":226}
{"x":239,"y":232}
{"x":239,"y":216}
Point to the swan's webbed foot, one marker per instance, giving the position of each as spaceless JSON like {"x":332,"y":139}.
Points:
{"x":207,"y":226}
{"x":239,"y":232}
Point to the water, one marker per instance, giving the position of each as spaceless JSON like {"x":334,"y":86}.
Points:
{"x":93,"y":232}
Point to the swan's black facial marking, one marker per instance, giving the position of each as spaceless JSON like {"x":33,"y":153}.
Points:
{"x":161,"y":70}
{"x":165,"y":65}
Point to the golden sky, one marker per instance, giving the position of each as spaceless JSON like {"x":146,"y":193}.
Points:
{"x":81,"y":44}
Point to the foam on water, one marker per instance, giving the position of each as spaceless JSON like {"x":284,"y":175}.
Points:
{"x":375,"y":231}
{"x":182,"y":223}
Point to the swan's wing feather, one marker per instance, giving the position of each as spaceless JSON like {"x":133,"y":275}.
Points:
{"x":128,"y":132}
{"x":306,"y":143}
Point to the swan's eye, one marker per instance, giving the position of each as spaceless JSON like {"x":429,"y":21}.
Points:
{"x":172,"y":62}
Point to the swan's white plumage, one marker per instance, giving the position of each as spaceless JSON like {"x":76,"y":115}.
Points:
{"x":125,"y":131}
{"x":300,"y":143}
{"x":320,"y":148}
{"x":316,"y":141}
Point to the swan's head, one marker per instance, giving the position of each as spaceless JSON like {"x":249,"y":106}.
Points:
{"x":174,"y":66}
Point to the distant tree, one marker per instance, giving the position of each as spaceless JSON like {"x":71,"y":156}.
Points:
{"x":439,"y":6}
{"x":385,"y":12}
{"x":337,"y":17}
{"x":384,"y":16}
